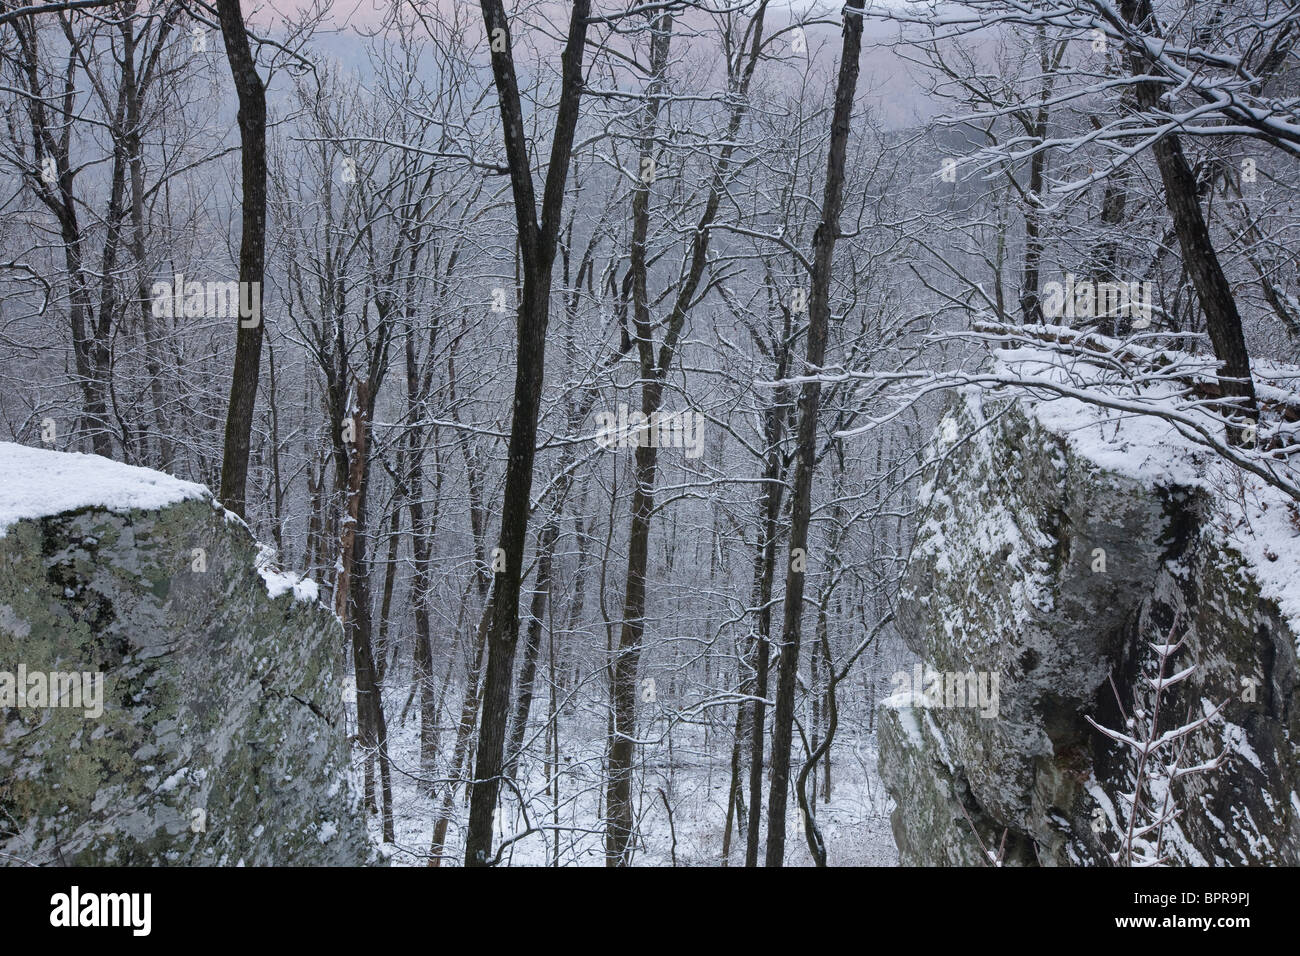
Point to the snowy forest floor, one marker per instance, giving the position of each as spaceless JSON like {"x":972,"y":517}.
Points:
{"x":686,"y":769}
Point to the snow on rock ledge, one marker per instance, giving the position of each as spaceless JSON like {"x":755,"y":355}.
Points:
{"x":35,"y":482}
{"x":221,"y":738}
{"x":1005,"y":580}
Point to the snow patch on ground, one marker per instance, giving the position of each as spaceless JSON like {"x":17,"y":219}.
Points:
{"x":855,"y":822}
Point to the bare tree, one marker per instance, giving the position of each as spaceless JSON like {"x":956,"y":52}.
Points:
{"x":252,"y":253}
{"x":819,"y":307}
{"x":537,"y":246}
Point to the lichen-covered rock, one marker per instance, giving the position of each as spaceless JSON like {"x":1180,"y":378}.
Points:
{"x":1051,"y":553}
{"x":221,"y":739}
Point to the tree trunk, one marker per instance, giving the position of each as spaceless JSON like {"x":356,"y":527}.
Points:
{"x":248,"y":341}
{"x":422,"y":583}
{"x":537,"y":243}
{"x":533,"y":642}
{"x":764,"y":573}
{"x":654,"y":372}
{"x":809,"y":399}
{"x":1222,"y":320}
{"x":352,"y":604}
{"x":464,"y":734}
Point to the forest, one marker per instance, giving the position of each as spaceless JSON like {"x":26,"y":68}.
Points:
{"x":622,"y":375}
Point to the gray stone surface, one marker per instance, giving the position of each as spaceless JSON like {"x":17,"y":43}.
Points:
{"x":222,"y":739}
{"x":1002,"y":580}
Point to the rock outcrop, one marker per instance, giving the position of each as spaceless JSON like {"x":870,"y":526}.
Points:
{"x":215,"y":734}
{"x":1051,"y":554}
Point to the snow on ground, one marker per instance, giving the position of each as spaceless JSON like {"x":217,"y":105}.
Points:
{"x":855,"y":823}
{"x":38,"y":483}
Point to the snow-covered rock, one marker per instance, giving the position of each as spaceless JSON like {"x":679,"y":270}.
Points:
{"x":1055,"y":543}
{"x":219,"y":736}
